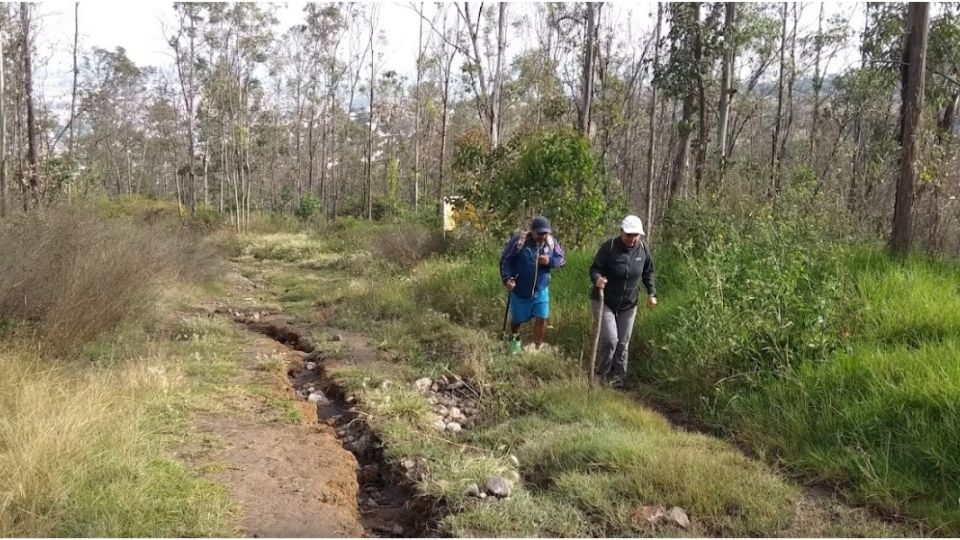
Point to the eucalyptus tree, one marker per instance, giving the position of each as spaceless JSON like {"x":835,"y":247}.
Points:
{"x":186,"y":44}
{"x":111,"y":92}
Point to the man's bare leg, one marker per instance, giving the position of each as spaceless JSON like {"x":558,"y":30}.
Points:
{"x":539,"y":329}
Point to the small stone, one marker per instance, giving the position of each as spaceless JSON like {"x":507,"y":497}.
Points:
{"x":368,"y":474}
{"x":679,"y":517}
{"x":350,"y":399}
{"x":386,"y":384}
{"x":336,"y":337}
{"x":442,"y":411}
{"x":407,"y":463}
{"x":397,"y":530}
{"x":440,"y":425}
{"x":651,"y":514}
{"x":311,"y":388}
{"x":456,"y":413}
{"x":360,"y":445}
{"x":483,"y":495}
{"x":256,"y":316}
{"x":311,"y":366}
{"x":498,"y":486}
{"x":454,"y":427}
{"x":514,"y":460}
{"x":317,"y":397}
{"x":472,"y":490}
{"x":422,"y":385}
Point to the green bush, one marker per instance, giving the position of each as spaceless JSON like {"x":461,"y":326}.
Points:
{"x":761,"y":296}
{"x":554,"y":173}
{"x":309,"y":207}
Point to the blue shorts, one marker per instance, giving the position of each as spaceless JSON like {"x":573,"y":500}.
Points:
{"x":524,"y":309}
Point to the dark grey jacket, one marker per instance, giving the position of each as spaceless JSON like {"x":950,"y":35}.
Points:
{"x":623,"y":268}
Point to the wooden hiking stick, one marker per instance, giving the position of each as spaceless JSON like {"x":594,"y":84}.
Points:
{"x":596,"y":340}
{"x":506,"y":310}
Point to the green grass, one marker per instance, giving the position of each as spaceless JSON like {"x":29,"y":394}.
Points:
{"x":87,"y":444}
{"x":872,"y":413}
{"x":587,"y":459}
{"x":282,"y":407}
{"x":85,"y":451}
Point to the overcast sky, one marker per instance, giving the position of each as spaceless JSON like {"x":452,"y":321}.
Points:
{"x":138,"y":27}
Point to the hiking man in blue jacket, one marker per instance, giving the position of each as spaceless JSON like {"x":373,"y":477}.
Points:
{"x":525,"y":266}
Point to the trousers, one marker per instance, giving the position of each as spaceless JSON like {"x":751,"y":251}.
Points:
{"x":615,"y":331}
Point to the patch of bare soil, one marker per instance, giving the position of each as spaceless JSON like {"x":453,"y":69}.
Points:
{"x":386,"y":500}
{"x":291,"y":480}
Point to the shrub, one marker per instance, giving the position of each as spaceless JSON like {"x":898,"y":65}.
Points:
{"x":309,"y":207}
{"x":762,"y":295}
{"x":76,"y":276}
{"x":554,"y":173}
{"x":408,"y":245}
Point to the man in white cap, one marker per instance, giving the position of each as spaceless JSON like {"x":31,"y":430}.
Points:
{"x":618,"y":268}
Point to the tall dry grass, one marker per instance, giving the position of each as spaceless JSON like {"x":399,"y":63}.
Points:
{"x":80,"y":454}
{"x":74,"y":275}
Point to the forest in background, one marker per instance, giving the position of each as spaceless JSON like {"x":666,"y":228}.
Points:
{"x":740,"y":101}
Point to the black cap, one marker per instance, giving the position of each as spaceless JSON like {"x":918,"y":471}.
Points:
{"x":540,"y":224}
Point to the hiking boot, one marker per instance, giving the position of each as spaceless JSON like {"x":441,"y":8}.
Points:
{"x":515,"y":346}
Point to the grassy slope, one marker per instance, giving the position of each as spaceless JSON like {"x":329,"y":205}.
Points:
{"x":94,"y":401}
{"x":588,"y":458}
{"x":86,"y":445}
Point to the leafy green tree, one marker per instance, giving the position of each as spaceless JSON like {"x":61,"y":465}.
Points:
{"x":554,"y":173}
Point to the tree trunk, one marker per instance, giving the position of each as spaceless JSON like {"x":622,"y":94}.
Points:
{"x":911,"y":123}
{"x":443,"y":131}
{"x":368,"y":173}
{"x":3,"y":123}
{"x":653,"y":132}
{"x":817,"y":86}
{"x":775,"y":141}
{"x":416,"y":119}
{"x":589,"y":57}
{"x":497,"y":96}
{"x":33,"y":172}
{"x":191,"y":131}
{"x":311,"y":150}
{"x":324,"y":127}
{"x":726,"y":85}
{"x":860,"y":155}
{"x":681,"y":159}
{"x":946,"y":121}
{"x":790,"y":82}
{"x":76,"y":72}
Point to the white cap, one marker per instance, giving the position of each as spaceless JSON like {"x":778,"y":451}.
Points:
{"x":632,"y":225}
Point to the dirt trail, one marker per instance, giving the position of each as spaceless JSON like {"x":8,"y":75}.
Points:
{"x":322,"y":477}
{"x":327,"y":477}
{"x":290,"y":480}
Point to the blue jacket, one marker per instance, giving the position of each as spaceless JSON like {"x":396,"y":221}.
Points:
{"x":519,"y":260}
